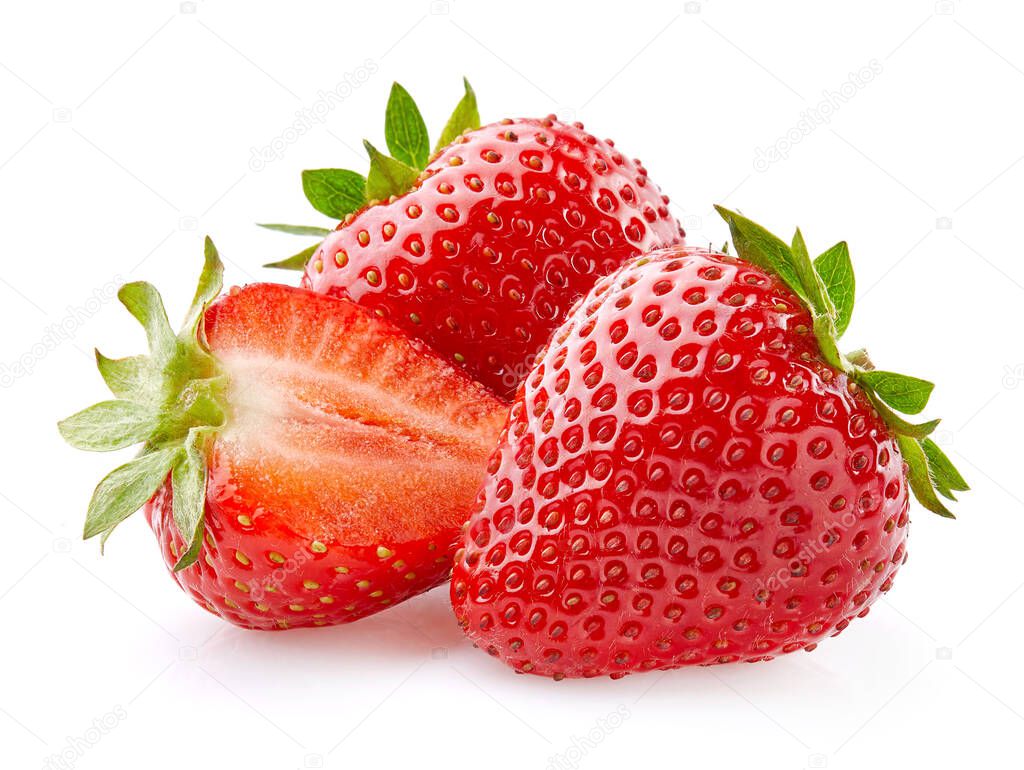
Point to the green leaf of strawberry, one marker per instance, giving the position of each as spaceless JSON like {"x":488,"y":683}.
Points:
{"x":295,"y":261}
{"x":825,"y":332}
{"x":759,"y":247}
{"x":466,"y":116}
{"x":944,"y":474}
{"x":144,"y":303}
{"x":404,"y":130}
{"x":387,"y":176}
{"x":298,"y":229}
{"x":836,"y":270}
{"x":810,"y":281}
{"x":129,"y":377}
{"x":899,"y":424}
{"x":188,"y":482}
{"x":334,"y":192}
{"x":109,"y":425}
{"x":126,"y":489}
{"x":211,"y":279}
{"x":907,"y":394}
{"x":920,"y":479}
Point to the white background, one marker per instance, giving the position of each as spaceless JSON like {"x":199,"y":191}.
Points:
{"x":127,"y":133}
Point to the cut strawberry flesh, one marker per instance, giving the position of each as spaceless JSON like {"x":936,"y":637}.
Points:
{"x":340,"y":427}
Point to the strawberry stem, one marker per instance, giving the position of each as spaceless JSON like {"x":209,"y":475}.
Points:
{"x":171,"y":402}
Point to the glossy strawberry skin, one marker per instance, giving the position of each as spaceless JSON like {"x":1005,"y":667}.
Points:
{"x":274,"y":578}
{"x":349,"y":460}
{"x":681,"y":480}
{"x":508,"y":227}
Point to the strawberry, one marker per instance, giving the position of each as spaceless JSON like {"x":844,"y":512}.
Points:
{"x":305,"y":462}
{"x":481,"y":252}
{"x":693,"y":474}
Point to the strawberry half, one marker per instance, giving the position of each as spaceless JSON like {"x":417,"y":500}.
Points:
{"x":482,"y":252}
{"x":694,"y":474}
{"x":307,"y":463}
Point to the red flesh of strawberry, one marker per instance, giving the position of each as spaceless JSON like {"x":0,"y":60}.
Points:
{"x":349,"y":461}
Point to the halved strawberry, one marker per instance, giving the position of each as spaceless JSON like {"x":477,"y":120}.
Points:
{"x":328,"y":458}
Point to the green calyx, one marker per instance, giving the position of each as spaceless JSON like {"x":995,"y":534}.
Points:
{"x":337,"y":192}
{"x":826,"y":286}
{"x":170,"y":401}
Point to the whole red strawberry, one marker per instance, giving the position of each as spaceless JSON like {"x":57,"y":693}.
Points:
{"x":483,"y":253}
{"x":308,"y":463}
{"x":694,"y":474}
